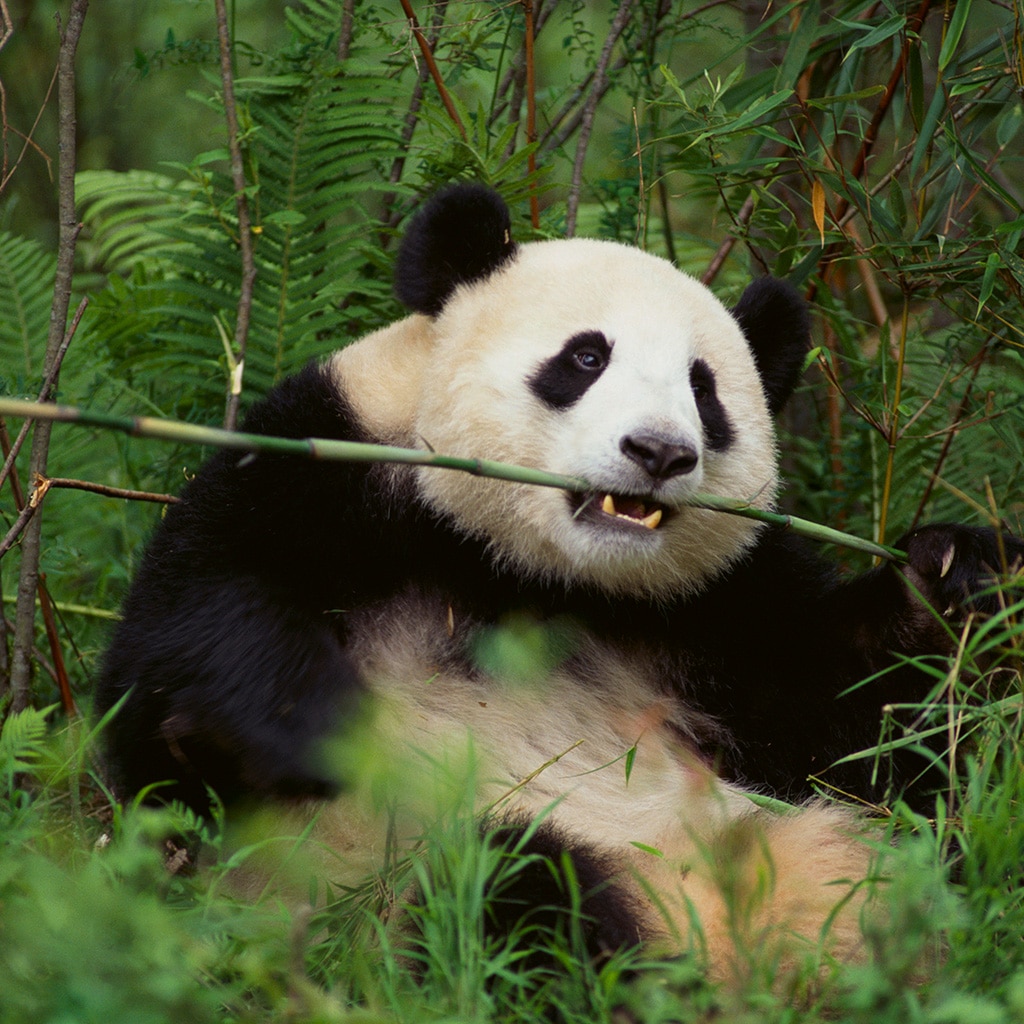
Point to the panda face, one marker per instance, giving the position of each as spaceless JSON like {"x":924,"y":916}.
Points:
{"x":598,"y":361}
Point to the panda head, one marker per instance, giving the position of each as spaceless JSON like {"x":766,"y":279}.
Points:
{"x":598,"y":361}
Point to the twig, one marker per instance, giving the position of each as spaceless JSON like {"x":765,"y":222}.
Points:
{"x":894,"y":433}
{"x":28,"y":141}
{"x":6,"y":25}
{"x":112,"y":492}
{"x":345,"y":32}
{"x":237,"y":360}
{"x":11,"y":452}
{"x":978,"y":361}
{"x":18,"y":527}
{"x":531,"y":108}
{"x":409,"y":124}
{"x":60,"y":669}
{"x":354,"y":451}
{"x":28,"y":580}
{"x":589,"y":111}
{"x":435,"y":74}
{"x":740,"y":220}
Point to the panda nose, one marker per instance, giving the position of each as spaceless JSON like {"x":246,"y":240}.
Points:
{"x":660,"y":456}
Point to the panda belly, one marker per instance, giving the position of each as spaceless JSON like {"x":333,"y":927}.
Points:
{"x":605,"y":759}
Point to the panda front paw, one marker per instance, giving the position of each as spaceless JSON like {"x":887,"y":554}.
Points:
{"x":957,"y":569}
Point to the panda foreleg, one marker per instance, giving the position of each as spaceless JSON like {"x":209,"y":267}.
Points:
{"x":223,"y":686}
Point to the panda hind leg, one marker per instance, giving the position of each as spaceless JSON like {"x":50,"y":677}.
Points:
{"x":775,"y":894}
{"x":545,"y":893}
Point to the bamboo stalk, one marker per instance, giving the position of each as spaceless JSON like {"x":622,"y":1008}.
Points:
{"x":329,"y":449}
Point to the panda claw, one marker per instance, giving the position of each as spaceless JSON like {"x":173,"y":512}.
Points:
{"x":947,"y":561}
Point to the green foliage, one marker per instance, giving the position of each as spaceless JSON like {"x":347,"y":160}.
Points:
{"x":26,"y":288}
{"x":768,"y":137}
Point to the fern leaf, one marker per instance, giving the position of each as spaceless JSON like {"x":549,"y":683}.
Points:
{"x":26,"y":291}
{"x":21,"y":740}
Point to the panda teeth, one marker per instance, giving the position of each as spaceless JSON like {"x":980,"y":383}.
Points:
{"x":652,"y":519}
{"x":649,"y":519}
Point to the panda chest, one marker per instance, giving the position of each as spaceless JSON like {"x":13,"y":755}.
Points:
{"x":536,"y":712}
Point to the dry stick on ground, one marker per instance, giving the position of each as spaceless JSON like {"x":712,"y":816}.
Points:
{"x":245,"y":237}
{"x":28,"y":581}
{"x":590,"y":110}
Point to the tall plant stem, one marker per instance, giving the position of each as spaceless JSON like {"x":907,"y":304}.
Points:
{"x":435,"y":72}
{"x":894,"y":420}
{"x":245,"y":244}
{"x":531,"y":106}
{"x":28,"y":579}
{"x":619,"y":23}
{"x":352,"y":451}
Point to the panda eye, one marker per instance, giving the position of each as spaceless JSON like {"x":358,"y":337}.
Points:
{"x":589,"y":359}
{"x":702,"y":382}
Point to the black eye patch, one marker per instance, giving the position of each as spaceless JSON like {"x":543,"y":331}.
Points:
{"x":713,"y":417}
{"x":564,"y":378}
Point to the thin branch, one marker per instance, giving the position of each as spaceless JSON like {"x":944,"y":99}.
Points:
{"x":330,"y":450}
{"x":894,"y":419}
{"x":411,"y":121}
{"x":435,"y":74}
{"x":112,"y":492}
{"x":237,"y":363}
{"x":18,"y":527}
{"x":531,"y":107}
{"x":6,"y":25}
{"x":60,"y":669}
{"x":11,"y":451}
{"x":28,"y":580}
{"x":348,"y":22}
{"x":619,"y":23}
{"x":959,"y":416}
{"x":28,"y":141}
{"x":741,"y":220}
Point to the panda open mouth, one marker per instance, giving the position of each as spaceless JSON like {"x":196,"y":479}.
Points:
{"x":627,"y":510}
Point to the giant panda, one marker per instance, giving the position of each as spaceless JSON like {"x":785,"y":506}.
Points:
{"x":686,"y":660}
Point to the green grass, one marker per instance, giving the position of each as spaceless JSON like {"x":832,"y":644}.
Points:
{"x":95,"y":926}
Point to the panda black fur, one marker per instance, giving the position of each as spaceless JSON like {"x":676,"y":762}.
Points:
{"x":280,"y":594}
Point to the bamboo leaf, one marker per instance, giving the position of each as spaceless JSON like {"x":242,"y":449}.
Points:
{"x":818,"y":207}
{"x":957,"y":23}
{"x":988,"y":280}
{"x":873,"y":36}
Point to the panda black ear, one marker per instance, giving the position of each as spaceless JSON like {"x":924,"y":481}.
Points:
{"x":774,"y":319}
{"x":462,"y":234}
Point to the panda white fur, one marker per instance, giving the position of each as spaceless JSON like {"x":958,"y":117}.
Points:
{"x":705,"y":649}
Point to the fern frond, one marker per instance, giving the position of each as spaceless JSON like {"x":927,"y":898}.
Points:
{"x":26,"y":291}
{"x":320,"y":140}
{"x":133,"y":215}
{"x":21,"y":740}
